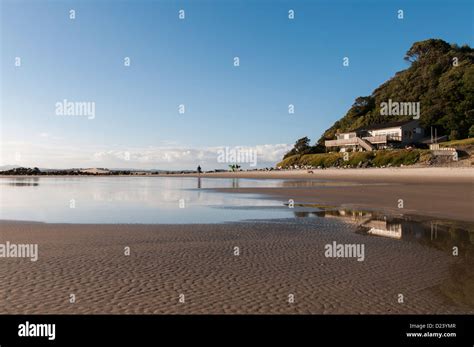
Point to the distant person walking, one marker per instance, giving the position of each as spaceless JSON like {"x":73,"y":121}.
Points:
{"x":199,"y":170}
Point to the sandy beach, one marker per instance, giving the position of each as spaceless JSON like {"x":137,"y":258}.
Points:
{"x":276,"y":259}
{"x":397,"y":174}
{"x":438,"y":192}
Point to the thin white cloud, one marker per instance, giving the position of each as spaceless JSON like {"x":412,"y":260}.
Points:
{"x":159,"y":157}
{"x":186,"y":158}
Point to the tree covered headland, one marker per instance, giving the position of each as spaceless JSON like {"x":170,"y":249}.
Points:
{"x":440,"y":77}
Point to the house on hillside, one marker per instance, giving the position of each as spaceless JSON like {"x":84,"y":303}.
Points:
{"x":379,"y":136}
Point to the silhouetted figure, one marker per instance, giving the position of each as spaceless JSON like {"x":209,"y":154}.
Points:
{"x":199,"y":170}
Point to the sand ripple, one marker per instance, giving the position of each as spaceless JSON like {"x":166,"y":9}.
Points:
{"x":276,"y":259}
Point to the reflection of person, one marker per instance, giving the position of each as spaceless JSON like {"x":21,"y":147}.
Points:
{"x":199,"y":170}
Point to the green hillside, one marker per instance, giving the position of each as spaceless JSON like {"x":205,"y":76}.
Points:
{"x":440,"y":76}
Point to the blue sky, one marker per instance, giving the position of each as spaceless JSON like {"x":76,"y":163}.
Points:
{"x":190,"y":62}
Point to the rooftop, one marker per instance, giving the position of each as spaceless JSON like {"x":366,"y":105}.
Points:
{"x":380,"y":126}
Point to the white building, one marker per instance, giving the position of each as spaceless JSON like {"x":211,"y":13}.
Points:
{"x":379,"y":136}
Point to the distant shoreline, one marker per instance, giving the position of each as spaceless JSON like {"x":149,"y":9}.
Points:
{"x":359,"y":174}
{"x":329,"y":173}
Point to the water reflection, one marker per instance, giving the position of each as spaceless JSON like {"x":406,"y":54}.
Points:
{"x":209,"y":182}
{"x":133,"y":200}
{"x":22,"y":182}
{"x":455,"y":239}
{"x":441,"y":234}
{"x":384,"y":228}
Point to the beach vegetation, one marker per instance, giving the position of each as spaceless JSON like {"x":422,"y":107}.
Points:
{"x":383,"y":158}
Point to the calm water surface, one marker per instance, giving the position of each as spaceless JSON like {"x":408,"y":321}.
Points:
{"x":135,"y":200}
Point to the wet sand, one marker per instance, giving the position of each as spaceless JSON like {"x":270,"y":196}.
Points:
{"x":437,"y":192}
{"x":277,"y":258}
{"x":395,"y":174}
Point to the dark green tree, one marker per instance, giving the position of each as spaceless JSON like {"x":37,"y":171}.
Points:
{"x":302,"y":146}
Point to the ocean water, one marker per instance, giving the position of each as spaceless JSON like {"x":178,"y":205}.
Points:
{"x":166,"y":200}
{"x":178,"y":200}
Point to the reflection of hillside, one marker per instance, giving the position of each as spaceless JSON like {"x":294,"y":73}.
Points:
{"x":440,"y":234}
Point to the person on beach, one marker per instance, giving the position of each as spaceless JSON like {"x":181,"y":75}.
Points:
{"x":199,"y":170}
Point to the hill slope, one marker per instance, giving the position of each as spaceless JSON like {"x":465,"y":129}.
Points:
{"x":440,"y":77}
